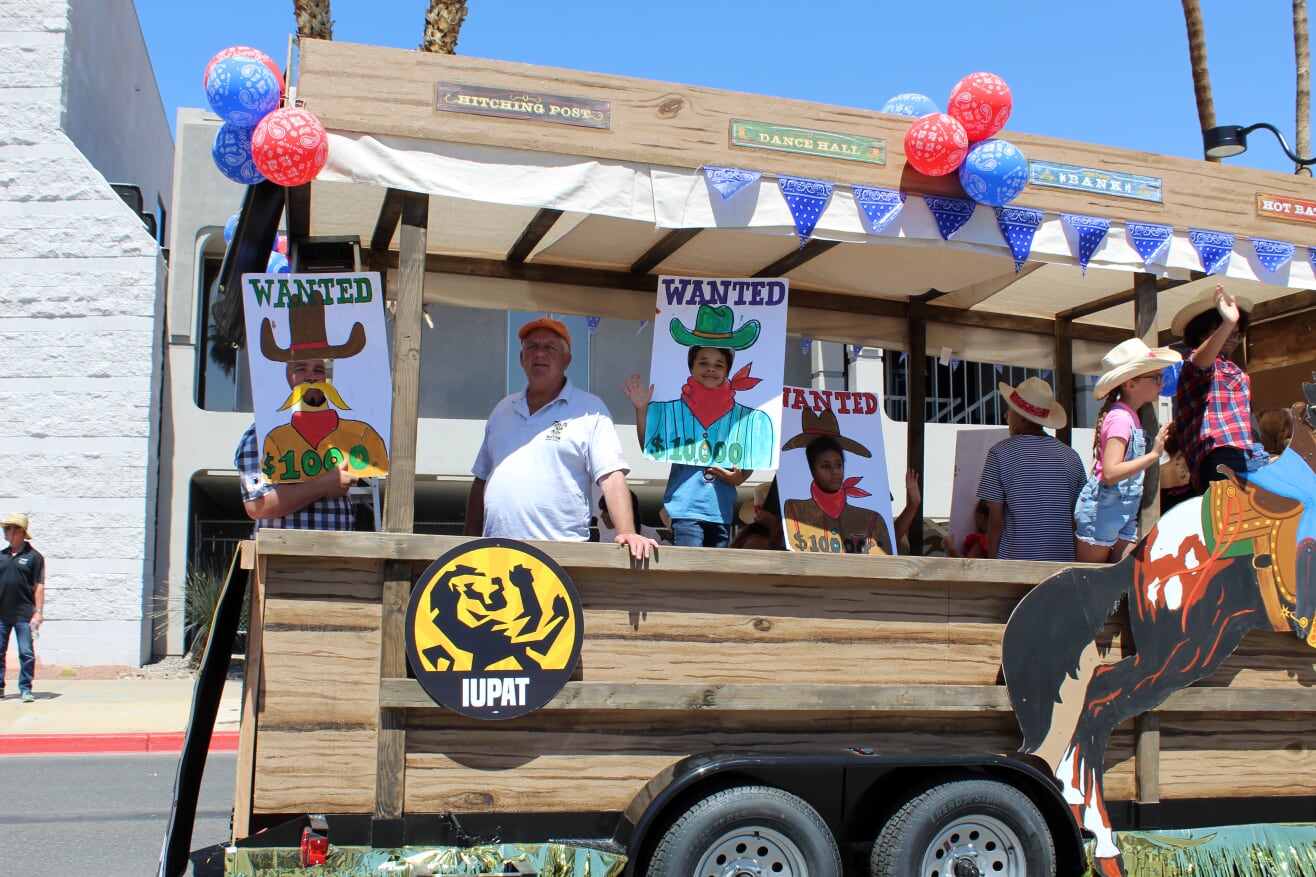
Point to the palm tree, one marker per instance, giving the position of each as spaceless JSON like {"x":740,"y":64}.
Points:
{"x":443,"y":21}
{"x":313,"y":19}
{"x":1303,"y":57}
{"x":1192,"y":14}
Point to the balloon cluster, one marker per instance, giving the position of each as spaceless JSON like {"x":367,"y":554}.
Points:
{"x":992,"y":171}
{"x":259,"y":141}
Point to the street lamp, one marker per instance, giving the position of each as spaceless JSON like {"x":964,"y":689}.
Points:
{"x":1228,"y":140}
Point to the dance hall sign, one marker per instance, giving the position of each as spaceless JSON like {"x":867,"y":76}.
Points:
{"x":320,"y":377}
{"x":719,"y":354}
{"x":835,"y":497}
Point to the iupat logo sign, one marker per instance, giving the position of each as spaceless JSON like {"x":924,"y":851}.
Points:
{"x":494,"y":629}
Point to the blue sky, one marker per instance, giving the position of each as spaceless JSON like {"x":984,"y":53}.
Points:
{"x":1113,"y":73}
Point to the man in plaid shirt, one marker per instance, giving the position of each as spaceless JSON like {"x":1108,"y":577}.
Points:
{"x":1214,"y":395}
{"x":318,"y":504}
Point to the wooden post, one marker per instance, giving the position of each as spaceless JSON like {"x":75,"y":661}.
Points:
{"x":1144,"y":326}
{"x":916,"y":387}
{"x":399,"y":500}
{"x":1147,"y":763}
{"x":1064,"y":376}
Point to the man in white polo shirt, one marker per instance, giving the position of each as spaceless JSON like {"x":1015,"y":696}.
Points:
{"x":543,"y":448}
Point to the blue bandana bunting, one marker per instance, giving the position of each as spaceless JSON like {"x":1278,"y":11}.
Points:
{"x":1213,"y":247}
{"x":804,"y":346}
{"x":593,"y":324}
{"x":807,"y":199}
{"x":1149,"y":239}
{"x":1311,"y":255}
{"x":950,"y":213}
{"x":858,"y":348}
{"x":1018,"y":226}
{"x":1273,"y":255}
{"x":730,"y":180}
{"x":1091,"y":231}
{"x":879,"y":206}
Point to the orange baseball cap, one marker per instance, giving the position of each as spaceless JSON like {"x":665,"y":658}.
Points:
{"x":548,"y":323}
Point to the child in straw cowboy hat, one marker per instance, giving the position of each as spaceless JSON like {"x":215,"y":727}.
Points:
{"x":1106,"y":514}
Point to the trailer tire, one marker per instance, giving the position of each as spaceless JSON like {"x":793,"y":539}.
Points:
{"x":965,"y":827}
{"x":756,"y":829}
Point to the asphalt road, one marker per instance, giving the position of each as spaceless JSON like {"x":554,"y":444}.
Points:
{"x":105,"y":814}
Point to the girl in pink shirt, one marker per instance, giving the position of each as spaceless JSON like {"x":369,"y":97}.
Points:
{"x":1106,"y":514}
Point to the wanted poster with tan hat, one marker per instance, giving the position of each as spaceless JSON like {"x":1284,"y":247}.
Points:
{"x":719,"y":356}
{"x":320,"y":377}
{"x":832,"y":480}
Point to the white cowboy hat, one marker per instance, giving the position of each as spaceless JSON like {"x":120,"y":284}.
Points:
{"x":1205,"y":301}
{"x":1034,"y":400}
{"x":751,"y":506}
{"x":1129,"y":359}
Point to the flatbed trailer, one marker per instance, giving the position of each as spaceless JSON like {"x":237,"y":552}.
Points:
{"x":818,"y":706}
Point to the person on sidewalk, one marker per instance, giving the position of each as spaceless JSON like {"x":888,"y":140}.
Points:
{"x":22,"y":600}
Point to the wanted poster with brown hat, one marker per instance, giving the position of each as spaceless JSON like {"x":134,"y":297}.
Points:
{"x":320,"y":378}
{"x":719,"y":357}
{"x":835,"y":496}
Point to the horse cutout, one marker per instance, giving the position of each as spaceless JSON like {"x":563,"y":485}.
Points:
{"x":1239,"y":558}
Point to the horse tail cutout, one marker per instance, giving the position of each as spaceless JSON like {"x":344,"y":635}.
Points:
{"x":1047,"y":636}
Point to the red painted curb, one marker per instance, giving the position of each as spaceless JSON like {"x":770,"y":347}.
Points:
{"x":70,"y":744}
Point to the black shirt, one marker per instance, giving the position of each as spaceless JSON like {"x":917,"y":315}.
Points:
{"x":19,"y":574}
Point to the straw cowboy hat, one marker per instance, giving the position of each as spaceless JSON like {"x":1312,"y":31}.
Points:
{"x":750,"y":506}
{"x":1205,"y":301}
{"x":1129,"y":359}
{"x":818,"y":424}
{"x":713,"y":329}
{"x":1034,"y":400}
{"x":307,"y":338}
{"x":18,"y":519}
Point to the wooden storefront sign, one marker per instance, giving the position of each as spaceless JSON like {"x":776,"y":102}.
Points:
{"x":511,"y":104}
{"x":1086,"y":179}
{"x":1286,"y":207}
{"x":803,"y":141}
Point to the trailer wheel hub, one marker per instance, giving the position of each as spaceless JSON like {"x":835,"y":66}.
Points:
{"x":752,"y":852}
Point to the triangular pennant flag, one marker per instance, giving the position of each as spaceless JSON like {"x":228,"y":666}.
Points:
{"x":593,"y":324}
{"x":1018,"y":226}
{"x":730,"y":180}
{"x":804,"y":346}
{"x":1213,"y":247}
{"x":1149,"y":239}
{"x":950,"y":213}
{"x":1311,"y":255}
{"x":1046,"y":373}
{"x":879,"y":206}
{"x":1091,"y":231}
{"x":1273,"y":255}
{"x":807,"y":199}
{"x":954,"y":364}
{"x":643,"y":323}
{"x":858,"y":348}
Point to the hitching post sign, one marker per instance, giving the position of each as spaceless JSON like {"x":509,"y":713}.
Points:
{"x":339,"y":318}
{"x":826,"y":509}
{"x":738,"y":423}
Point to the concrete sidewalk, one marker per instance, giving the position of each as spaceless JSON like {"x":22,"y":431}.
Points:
{"x":109,"y":715}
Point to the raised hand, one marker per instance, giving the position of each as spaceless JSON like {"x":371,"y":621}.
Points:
{"x":635,"y":390}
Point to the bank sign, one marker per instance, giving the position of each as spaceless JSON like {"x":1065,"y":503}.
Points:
{"x":494,"y":629}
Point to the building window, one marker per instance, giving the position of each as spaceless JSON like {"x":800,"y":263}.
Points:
{"x":966,"y":392}
{"x":222,"y":380}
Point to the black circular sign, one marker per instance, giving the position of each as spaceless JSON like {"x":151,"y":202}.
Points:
{"x":494,"y":629}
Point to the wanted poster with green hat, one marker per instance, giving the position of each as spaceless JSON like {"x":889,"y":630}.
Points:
{"x":320,"y":379}
{"x":717,"y":370}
